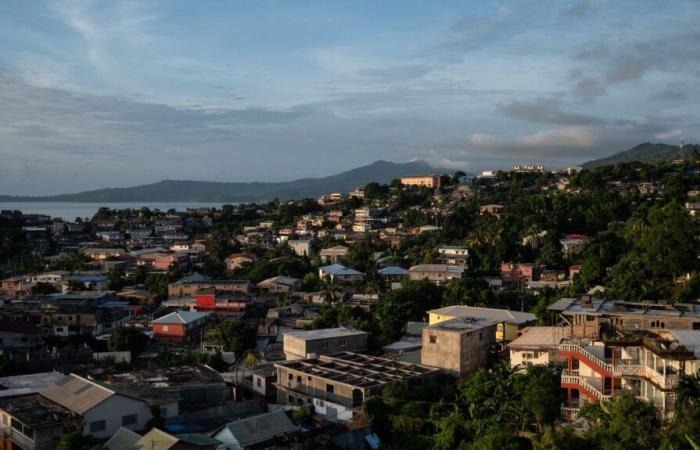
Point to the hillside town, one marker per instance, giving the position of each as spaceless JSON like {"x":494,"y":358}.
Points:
{"x":513,"y":309}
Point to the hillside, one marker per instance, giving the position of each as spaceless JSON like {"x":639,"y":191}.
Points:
{"x":646,"y":152}
{"x":206,"y":191}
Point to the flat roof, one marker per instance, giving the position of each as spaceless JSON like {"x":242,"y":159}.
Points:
{"x":463,"y":324}
{"x":534,"y":338}
{"x":500,"y":315}
{"x":358,"y":370}
{"x":324,"y":333}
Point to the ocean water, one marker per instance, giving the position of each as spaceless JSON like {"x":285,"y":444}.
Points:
{"x":70,"y":210}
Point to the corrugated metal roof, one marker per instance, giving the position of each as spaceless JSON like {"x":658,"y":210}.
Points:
{"x":500,"y":315}
{"x":123,"y":439}
{"x":181,"y":317}
{"x":261,"y":428}
{"x":77,"y":393}
{"x":690,"y":339}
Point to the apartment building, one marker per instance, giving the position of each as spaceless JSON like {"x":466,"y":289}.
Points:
{"x":590,"y":318}
{"x":337,"y":385}
{"x":429,"y":181}
{"x":193,"y":287}
{"x":458,"y":346}
{"x":453,"y":255}
{"x":648,"y":365}
{"x":308,"y":344}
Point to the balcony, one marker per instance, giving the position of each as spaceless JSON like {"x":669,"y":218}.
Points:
{"x":309,"y":391}
{"x":26,"y":442}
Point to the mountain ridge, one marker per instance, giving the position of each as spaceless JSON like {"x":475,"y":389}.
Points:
{"x":646,"y":152}
{"x":220,"y":191}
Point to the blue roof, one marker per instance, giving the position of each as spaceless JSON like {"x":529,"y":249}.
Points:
{"x":393,"y":270}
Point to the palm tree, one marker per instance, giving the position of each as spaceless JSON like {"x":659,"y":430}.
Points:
{"x":688,"y":391}
{"x":329,"y":289}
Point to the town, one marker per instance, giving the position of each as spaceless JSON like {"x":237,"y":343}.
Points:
{"x":513,"y":309}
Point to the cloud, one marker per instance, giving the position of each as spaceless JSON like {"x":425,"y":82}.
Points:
{"x":580,"y":9}
{"x":547,"y":111}
{"x":589,"y":89}
{"x":671,"y":93}
{"x":669,"y":135}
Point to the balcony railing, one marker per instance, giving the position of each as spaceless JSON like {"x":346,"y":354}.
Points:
{"x":26,"y":442}
{"x":632,"y":368}
{"x":318,"y":393}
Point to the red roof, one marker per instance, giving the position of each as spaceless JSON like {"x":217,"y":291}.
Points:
{"x":578,"y":237}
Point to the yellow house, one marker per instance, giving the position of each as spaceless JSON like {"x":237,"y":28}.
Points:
{"x":508,"y":321}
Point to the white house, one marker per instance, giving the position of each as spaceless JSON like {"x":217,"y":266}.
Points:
{"x":103,"y":408}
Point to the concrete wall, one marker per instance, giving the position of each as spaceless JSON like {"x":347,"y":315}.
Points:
{"x":296,"y":348}
{"x":455,"y":351}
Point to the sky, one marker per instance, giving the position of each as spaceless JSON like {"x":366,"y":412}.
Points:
{"x":98,"y":94}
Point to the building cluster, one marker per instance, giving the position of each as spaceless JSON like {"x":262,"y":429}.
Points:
{"x":144,"y":271}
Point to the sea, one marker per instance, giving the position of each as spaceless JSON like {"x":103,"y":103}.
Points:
{"x":69,"y":211}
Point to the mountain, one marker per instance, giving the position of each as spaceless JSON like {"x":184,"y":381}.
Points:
{"x":213,"y":192}
{"x":646,"y":153}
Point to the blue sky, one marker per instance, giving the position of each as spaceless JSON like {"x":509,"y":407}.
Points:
{"x":116,"y":93}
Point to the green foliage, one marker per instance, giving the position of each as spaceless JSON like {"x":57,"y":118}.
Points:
{"x":127,"y":339}
{"x":406,"y":304}
{"x":235,"y":336}
{"x":76,"y":441}
{"x":44,"y":289}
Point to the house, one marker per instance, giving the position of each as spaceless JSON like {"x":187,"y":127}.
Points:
{"x":18,"y":335}
{"x":180,"y":327}
{"x":33,"y":422}
{"x":458,"y":346}
{"x":196,"y":284}
{"x":508,"y":321}
{"x":453,"y":255}
{"x":337,"y":385}
{"x":437,"y":273}
{"x":103,"y":409}
{"x":256,"y":431}
{"x":536,"y":346}
{"x":16,"y":385}
{"x":338,"y":272}
{"x":393,"y":275}
{"x":300,"y":247}
{"x":572,"y":244}
{"x":309,"y":344}
{"x":237,"y":260}
{"x":520,"y":273}
{"x":590,"y":317}
{"x":263,"y":380}
{"x":156,"y":439}
{"x":333,"y":255}
{"x":429,"y":181}
{"x":648,"y":365}
{"x":219,"y":304}
{"x":280,"y":285}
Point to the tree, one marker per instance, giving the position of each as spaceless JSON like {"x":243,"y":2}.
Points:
{"x":115,"y":280}
{"x":75,"y":440}
{"x":236,"y":336}
{"x":127,"y":339}
{"x":409,"y":303}
{"x":624,"y":422}
{"x":43,"y":289}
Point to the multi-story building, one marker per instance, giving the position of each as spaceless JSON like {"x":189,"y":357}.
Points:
{"x":337,"y":385}
{"x":453,"y":255}
{"x":193,"y":287}
{"x":429,"y":181}
{"x":309,"y":344}
{"x":589,"y":318}
{"x":437,"y":273}
{"x":647,"y":365}
{"x":458,"y":346}
{"x":333,"y":255}
{"x":508,"y":322}
{"x":300,"y":247}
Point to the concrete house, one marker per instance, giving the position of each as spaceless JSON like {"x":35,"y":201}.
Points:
{"x":338,"y":272}
{"x":437,"y":273}
{"x":334,"y":255}
{"x":179,"y":327}
{"x":508,"y":321}
{"x":309,"y":344}
{"x":301,"y":247}
{"x":280,"y":285}
{"x":537,"y":346}
{"x":458,"y":346}
{"x":337,"y":385}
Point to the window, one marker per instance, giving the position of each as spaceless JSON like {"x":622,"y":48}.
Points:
{"x":330,"y":388}
{"x":59,"y":330}
{"x":258,"y":381}
{"x":165,"y":328}
{"x":433,"y":339}
{"x":324,"y":345}
{"x":163,"y":411}
{"x":290,"y":377}
{"x":343,"y":342}
{"x":129,"y":419}
{"x":99,"y":425}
